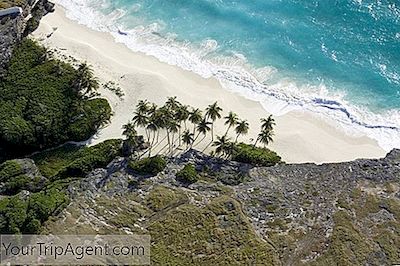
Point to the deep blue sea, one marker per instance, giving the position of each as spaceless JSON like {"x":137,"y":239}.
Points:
{"x":337,"y":58}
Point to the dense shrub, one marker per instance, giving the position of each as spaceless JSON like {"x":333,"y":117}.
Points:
{"x":14,"y":179}
{"x":148,"y":166}
{"x":20,"y":214}
{"x":188,"y":174}
{"x":90,"y":158}
{"x":76,"y":161}
{"x":94,"y":114}
{"x":9,"y":169}
{"x":254,"y":155}
{"x":40,"y":104}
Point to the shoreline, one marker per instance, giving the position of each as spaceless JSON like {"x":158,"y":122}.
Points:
{"x":299,"y":136}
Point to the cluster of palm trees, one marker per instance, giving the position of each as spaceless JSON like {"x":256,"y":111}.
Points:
{"x":175,"y":118}
{"x":225,"y":147}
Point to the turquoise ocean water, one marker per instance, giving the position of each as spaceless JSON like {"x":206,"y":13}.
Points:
{"x":337,"y":58}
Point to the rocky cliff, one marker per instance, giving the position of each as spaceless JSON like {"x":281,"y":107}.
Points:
{"x":13,"y":29}
{"x":330,"y":214}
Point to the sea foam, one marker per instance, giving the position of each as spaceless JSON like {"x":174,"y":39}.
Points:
{"x":237,"y":75}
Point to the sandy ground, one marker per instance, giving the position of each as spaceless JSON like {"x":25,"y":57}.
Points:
{"x":300,"y":137}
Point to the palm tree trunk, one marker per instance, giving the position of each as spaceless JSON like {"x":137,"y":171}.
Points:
{"x":237,"y":136}
{"x":154,"y":138}
{"x":226,"y":133}
{"x":212,"y":131}
{"x":198,"y":134}
{"x":169,"y":143}
{"x":255,"y":143}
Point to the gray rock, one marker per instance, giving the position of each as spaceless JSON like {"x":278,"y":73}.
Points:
{"x":13,"y":29}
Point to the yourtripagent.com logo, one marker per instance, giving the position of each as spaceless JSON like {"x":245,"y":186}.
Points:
{"x":75,"y":250}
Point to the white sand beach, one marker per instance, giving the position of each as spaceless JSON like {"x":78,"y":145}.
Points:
{"x":299,"y":136}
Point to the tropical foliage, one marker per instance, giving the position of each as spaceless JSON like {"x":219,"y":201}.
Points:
{"x":45,"y":102}
{"x":26,"y":214}
{"x":254,"y":155}
{"x":76,"y":161}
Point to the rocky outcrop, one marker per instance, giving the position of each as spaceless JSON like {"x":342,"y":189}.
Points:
{"x":330,"y":214}
{"x":13,"y":29}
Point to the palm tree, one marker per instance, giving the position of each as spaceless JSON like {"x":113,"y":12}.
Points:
{"x":267,"y":123}
{"x":85,"y":83}
{"x":213,"y":112}
{"x":152,"y":108}
{"x":129,"y":131}
{"x":143,"y":107}
{"x":230,"y":120}
{"x":195,"y":117}
{"x":242,"y":128}
{"x":188,"y":138}
{"x":222,"y":145}
{"x":152,"y":127}
{"x":172,"y":127}
{"x":203,"y":127}
{"x":172,"y":103}
{"x":159,"y":121}
{"x":265,"y":137}
{"x":181,"y":115}
{"x":141,"y":119}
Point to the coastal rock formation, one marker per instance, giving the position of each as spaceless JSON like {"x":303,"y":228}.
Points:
{"x":330,"y":214}
{"x":13,"y":29}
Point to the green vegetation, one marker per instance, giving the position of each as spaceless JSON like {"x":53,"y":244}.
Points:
{"x":348,"y":246}
{"x":45,"y":102}
{"x":161,"y":197}
{"x":220,"y":232}
{"x":188,"y":174}
{"x":14,"y":178}
{"x":148,"y":166}
{"x":9,"y":169}
{"x":254,"y":155}
{"x":25,"y":214}
{"x":75,"y":161}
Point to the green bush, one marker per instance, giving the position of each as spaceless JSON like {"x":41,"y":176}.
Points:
{"x":76,"y":161}
{"x":26,"y":214}
{"x":94,"y":157}
{"x":94,"y":114}
{"x":254,"y":155}
{"x":9,"y":169}
{"x":188,"y":174}
{"x":148,"y":166}
{"x":15,"y":179}
{"x":15,"y":184}
{"x":41,"y":105}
